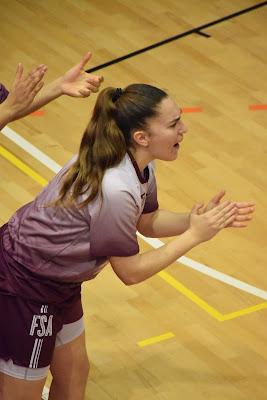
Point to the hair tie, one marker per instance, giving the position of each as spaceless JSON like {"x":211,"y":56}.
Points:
{"x":117,"y":94}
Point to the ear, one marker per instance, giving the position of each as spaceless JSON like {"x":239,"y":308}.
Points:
{"x":141,"y":138}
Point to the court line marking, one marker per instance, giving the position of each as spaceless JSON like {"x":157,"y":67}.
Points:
{"x":22,"y":166}
{"x":204,"y":305}
{"x":155,"y":339}
{"x":52,"y":165}
{"x":197,"y":30}
{"x":30,"y":149}
{"x":256,"y":107}
{"x":213,"y":273}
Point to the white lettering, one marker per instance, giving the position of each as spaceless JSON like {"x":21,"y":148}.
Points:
{"x":41,"y":326}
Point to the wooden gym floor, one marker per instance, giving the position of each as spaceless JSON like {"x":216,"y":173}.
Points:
{"x":184,"y":334}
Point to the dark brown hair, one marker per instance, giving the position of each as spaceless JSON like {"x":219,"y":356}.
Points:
{"x":108,"y":136}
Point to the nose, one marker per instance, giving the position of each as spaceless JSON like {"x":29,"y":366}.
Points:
{"x":182,"y":128}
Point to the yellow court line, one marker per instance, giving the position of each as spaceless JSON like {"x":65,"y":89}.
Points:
{"x":22,"y":166}
{"x":190,"y":295}
{"x":155,"y":339}
{"x":245,"y":311}
{"x":162,"y":274}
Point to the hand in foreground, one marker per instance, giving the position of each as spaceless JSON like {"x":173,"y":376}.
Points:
{"x":24,"y":90}
{"x":244,"y":210}
{"x":77,"y":83}
{"x":205,"y":225}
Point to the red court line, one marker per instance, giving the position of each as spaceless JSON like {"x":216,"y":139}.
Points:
{"x":38,"y":113}
{"x":192,"y":109}
{"x":255,"y":107}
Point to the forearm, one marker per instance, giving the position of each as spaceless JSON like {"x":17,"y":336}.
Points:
{"x":138,"y":268}
{"x":164,"y":223}
{"x":48,"y":93}
{"x":5,"y":115}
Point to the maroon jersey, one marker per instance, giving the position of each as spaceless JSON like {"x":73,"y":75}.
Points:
{"x":73,"y":244}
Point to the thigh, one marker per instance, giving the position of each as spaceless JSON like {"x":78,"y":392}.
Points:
{"x":13,"y":388}
{"x":70,"y":368}
{"x":70,"y":361}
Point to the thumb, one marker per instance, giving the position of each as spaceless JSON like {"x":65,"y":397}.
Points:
{"x":85,"y":59}
{"x":196,"y":208}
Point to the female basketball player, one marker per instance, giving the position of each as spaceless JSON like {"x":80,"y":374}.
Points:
{"x":85,"y":217}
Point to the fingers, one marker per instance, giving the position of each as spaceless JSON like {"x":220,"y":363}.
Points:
{"x":244,"y":214}
{"x":197,"y":208}
{"x":37,"y":88}
{"x":94,"y":81}
{"x":217,"y":198}
{"x":241,"y":204}
{"x":236,"y":224}
{"x":228,"y":217}
{"x":222,"y":208}
{"x":35,"y":76}
{"x":223,"y":214}
{"x":25,"y":89}
{"x":85,"y":92}
{"x":91,"y":85}
{"x":19,"y":73}
{"x":245,"y":209}
{"x":85,"y":59}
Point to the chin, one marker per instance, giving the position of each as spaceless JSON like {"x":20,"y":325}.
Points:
{"x":168,"y":158}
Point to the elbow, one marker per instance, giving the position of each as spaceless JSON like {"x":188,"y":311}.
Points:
{"x":130,"y":280}
{"x":147,"y":232}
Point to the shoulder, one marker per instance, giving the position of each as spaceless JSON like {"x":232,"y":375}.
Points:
{"x":121,"y":178}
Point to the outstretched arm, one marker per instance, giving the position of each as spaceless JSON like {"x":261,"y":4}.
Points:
{"x":162,"y":223}
{"x":202,"y":227}
{"x":75,"y":83}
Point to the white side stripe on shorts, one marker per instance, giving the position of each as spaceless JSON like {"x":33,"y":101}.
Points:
{"x":36,"y":353}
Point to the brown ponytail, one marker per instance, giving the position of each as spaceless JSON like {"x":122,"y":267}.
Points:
{"x":107,"y":138}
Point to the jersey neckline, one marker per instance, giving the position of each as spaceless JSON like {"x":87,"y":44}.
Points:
{"x":143,"y":177}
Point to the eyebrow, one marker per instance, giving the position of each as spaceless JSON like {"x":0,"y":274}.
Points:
{"x":177,"y":118}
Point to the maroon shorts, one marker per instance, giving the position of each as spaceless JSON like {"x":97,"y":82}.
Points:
{"x":28,"y":330}
{"x":32,"y":312}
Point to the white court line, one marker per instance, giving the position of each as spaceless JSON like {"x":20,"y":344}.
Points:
{"x":156,"y":243}
{"x":29,"y":148}
{"x":213,"y":273}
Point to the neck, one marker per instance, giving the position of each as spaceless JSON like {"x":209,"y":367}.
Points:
{"x":141,"y":157}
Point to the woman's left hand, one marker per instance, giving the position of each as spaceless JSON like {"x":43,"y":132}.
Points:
{"x":244,"y":210}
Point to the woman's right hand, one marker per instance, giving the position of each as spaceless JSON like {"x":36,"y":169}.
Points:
{"x":203,"y":226}
{"x":24,"y":90}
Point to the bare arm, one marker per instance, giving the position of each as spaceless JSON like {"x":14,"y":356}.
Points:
{"x":202,"y":227}
{"x":163,"y":223}
{"x":75,"y":83}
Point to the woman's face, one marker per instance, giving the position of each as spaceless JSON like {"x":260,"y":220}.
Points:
{"x":165,"y":131}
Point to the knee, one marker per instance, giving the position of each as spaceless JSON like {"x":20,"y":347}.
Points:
{"x":72,"y":383}
{"x":75,"y":373}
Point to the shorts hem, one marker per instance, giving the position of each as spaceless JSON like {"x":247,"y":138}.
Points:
{"x":20,"y":372}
